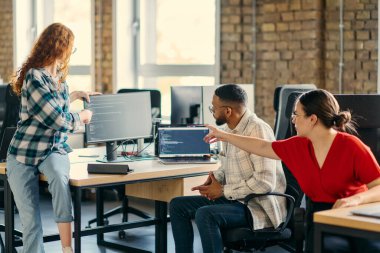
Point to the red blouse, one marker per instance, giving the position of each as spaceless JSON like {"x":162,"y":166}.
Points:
{"x":348,"y":167}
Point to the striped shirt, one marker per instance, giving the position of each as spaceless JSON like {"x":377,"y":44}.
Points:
{"x":243,"y":173}
{"x":44,"y":119}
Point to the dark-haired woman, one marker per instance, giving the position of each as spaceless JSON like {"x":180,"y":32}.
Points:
{"x":333,"y":168}
{"x":39,"y":144}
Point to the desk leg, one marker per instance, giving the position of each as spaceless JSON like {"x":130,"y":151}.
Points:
{"x":77,"y":219}
{"x":317,"y":245}
{"x":9,"y":218}
{"x":99,"y":213}
{"x":161,"y":212}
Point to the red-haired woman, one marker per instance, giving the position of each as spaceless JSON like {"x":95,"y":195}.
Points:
{"x":39,"y":144}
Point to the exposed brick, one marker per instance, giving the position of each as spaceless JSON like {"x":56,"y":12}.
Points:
{"x":295,"y":26}
{"x":363,"y":15}
{"x":268,"y":27}
{"x":227,"y":28}
{"x":286,"y":55}
{"x":362,"y":35}
{"x":280,"y":27}
{"x":295,"y":5}
{"x":267,"y":8}
{"x":287,"y":16}
{"x":281,"y":45}
{"x":304,"y":47}
{"x":307,"y":15}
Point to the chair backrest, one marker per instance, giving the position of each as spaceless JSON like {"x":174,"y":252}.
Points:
{"x":282,"y":121}
{"x":155,"y":99}
{"x":12,"y":108}
{"x":364,"y":109}
{"x":5,"y":141}
{"x":276,"y":101}
{"x":3,"y":88}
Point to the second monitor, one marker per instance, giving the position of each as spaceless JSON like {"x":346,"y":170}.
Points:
{"x":119,"y":117}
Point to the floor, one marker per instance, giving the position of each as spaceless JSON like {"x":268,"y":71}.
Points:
{"x":142,"y":238}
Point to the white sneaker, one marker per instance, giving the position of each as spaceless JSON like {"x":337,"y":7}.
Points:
{"x":67,"y":250}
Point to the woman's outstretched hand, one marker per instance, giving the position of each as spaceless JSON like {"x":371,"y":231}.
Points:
{"x":84,"y":95}
{"x":214,"y":135}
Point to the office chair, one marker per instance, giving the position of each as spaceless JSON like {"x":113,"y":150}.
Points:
{"x":3,"y":88}
{"x":155,"y":98}
{"x":281,"y":96}
{"x":11,"y":117}
{"x":290,"y":234}
{"x":364,"y":111}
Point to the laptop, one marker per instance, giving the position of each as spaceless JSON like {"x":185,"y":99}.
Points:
{"x":373,"y":212}
{"x":184,"y":145}
{"x":5,"y":141}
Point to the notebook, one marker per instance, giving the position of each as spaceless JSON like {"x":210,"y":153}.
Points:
{"x":183,"y":145}
{"x":5,"y":140}
{"x":373,"y":211}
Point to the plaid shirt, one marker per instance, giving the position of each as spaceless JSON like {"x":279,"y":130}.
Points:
{"x":44,"y":119}
{"x":243,"y":173}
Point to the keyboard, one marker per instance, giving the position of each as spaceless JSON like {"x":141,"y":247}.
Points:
{"x":187,"y":160}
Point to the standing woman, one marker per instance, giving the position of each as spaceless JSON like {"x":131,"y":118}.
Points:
{"x":39,"y":144}
{"x":333,"y":168}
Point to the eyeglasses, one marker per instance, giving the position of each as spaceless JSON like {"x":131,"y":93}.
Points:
{"x":213,"y":109}
{"x":295,"y":114}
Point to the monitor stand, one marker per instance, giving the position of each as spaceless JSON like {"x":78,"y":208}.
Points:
{"x":111,"y":154}
{"x":140,"y":146}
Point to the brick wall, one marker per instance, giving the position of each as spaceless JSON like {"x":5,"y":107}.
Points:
{"x":297,"y":41}
{"x":359,"y":43}
{"x":6,"y":40}
{"x":103,"y":46}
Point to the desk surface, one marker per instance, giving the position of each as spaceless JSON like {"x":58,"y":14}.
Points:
{"x":342,"y":217}
{"x":143,"y":170}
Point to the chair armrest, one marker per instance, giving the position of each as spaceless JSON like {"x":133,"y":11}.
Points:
{"x":290,"y":209}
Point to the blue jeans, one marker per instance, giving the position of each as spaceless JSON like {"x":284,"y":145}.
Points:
{"x":210,"y":217}
{"x":24,"y":181}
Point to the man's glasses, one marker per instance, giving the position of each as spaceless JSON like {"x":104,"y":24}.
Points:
{"x":213,"y":109}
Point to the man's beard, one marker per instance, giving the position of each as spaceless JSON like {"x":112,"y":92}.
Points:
{"x":220,"y":122}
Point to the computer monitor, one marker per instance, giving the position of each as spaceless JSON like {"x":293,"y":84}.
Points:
{"x":186,"y":102}
{"x":118,"y":117}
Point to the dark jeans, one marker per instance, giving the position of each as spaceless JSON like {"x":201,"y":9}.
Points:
{"x":210,"y":217}
{"x":335,"y":243}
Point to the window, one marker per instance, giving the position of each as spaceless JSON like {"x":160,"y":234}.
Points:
{"x":174,"y":42}
{"x":32,"y":17}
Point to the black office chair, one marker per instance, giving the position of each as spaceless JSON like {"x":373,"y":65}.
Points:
{"x":11,"y":117}
{"x":3,"y":88}
{"x":290,"y":234}
{"x":281,"y":96}
{"x":125,"y":209}
{"x":364,"y":110}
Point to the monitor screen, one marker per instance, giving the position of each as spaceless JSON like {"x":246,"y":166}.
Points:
{"x":119,"y":117}
{"x":186,"y":102}
{"x":183,"y":141}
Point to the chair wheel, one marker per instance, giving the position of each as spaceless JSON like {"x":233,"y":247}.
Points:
{"x":121,"y":234}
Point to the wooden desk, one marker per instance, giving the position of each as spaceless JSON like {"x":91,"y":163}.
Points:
{"x":144,"y":171}
{"x":342,"y":222}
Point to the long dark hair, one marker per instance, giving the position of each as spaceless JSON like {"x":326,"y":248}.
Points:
{"x":324,"y":105}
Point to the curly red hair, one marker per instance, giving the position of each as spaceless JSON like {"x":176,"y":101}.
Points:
{"x":55,"y":42}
